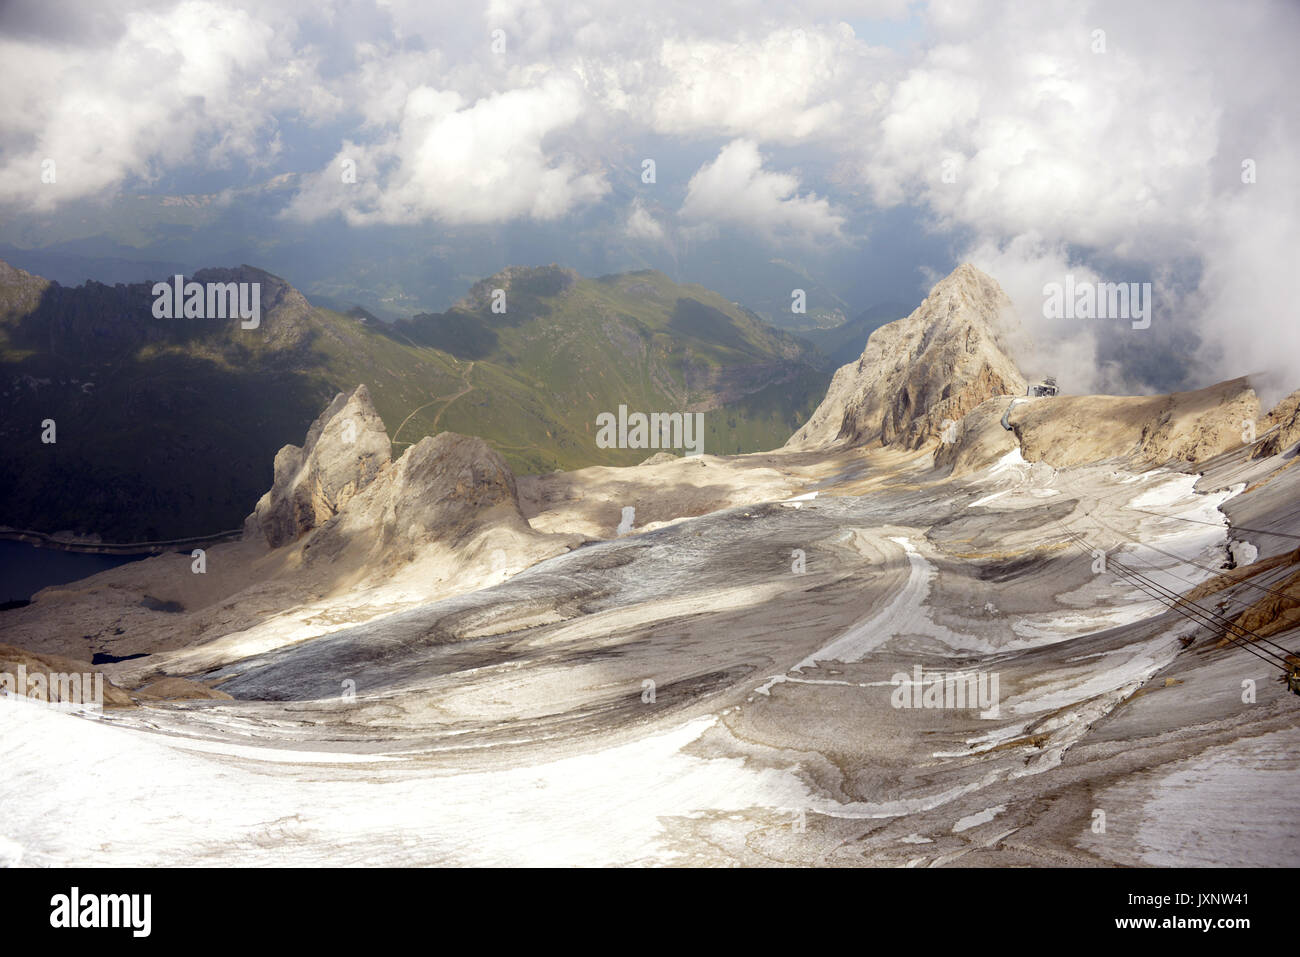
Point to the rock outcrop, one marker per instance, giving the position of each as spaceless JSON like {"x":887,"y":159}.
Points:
{"x":12,"y":659}
{"x":522,"y":285}
{"x":286,"y":313}
{"x":179,"y":689}
{"x":446,"y":488}
{"x":95,"y":320}
{"x":1282,"y":426}
{"x":1196,"y":426}
{"x":345,"y":450}
{"x":20,"y":291}
{"x":340,"y":492}
{"x":1188,"y":427}
{"x":918,"y":373}
{"x":660,"y":458}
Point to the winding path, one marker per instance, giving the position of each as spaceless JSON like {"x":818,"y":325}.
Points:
{"x":449,"y":399}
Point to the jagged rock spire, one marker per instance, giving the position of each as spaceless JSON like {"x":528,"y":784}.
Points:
{"x":915,"y":374}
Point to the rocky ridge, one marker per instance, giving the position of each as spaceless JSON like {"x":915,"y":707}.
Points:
{"x":918,"y":373}
{"x":341,"y":490}
{"x":345,"y":449}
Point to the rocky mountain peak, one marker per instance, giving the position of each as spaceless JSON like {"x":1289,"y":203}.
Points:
{"x":276,"y":292}
{"x":345,"y":449}
{"x":920,"y":372}
{"x":20,"y":291}
{"x":10,"y":273}
{"x":341,"y":491}
{"x":528,"y":282}
{"x":286,"y":311}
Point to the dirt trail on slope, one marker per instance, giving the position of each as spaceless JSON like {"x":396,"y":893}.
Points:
{"x":448,"y":399}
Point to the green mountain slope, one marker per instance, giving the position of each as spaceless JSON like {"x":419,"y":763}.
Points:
{"x":168,"y":428}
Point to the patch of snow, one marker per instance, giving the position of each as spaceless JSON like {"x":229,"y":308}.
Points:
{"x":1117,"y":672}
{"x":1231,"y":807}
{"x":1012,"y":460}
{"x":975,"y":820}
{"x":987,"y":741}
{"x":77,"y":790}
{"x":988,"y":498}
{"x":1243,"y":553}
{"x":1056,"y":626}
{"x":11,"y":852}
{"x":629,"y":516}
{"x":798,"y":500}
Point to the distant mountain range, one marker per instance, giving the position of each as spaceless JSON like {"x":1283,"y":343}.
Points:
{"x":166,"y":428}
{"x":72,"y":269}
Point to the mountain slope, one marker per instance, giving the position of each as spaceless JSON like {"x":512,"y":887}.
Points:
{"x":166,"y":428}
{"x":567,"y":349}
{"x":1070,"y":430}
{"x":936,"y":365}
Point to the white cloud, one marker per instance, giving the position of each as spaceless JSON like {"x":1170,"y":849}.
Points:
{"x":793,"y":84}
{"x":196,"y":82}
{"x":1064,"y":348}
{"x":1128,"y":158}
{"x":1125,"y":162}
{"x":1096,"y":149}
{"x":642,"y":225}
{"x":1245,"y":302}
{"x":463,"y":163}
{"x":735,"y":189}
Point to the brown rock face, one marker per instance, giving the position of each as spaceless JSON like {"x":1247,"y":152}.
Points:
{"x":285,"y":311}
{"x":1189,"y":427}
{"x":341,"y":493}
{"x":180,"y":689}
{"x":1285,"y":418}
{"x":446,"y":488}
{"x":915,"y":374}
{"x":346,"y":448}
{"x":11,"y":659}
{"x":1196,"y":426}
{"x":442,"y":486}
{"x":1182,"y":426}
{"x":20,"y":291}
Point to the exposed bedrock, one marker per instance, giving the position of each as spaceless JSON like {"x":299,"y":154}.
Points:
{"x":917,"y":373}
{"x":345,"y":449}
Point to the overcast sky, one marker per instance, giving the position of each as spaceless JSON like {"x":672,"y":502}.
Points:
{"x":1106,"y":139}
